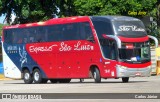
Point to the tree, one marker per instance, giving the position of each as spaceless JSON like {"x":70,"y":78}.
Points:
{"x":158,"y":13}
{"x":66,"y":8}
{"x":1,"y":26}
{"x":38,"y":10}
{"x":28,"y":10}
{"x":120,"y":7}
{"x":112,"y":7}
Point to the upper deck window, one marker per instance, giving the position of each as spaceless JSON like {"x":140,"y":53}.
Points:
{"x":103,"y":27}
{"x":49,"y":33}
{"x":129,"y":28}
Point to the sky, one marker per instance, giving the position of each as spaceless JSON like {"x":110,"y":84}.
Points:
{"x":2,"y":18}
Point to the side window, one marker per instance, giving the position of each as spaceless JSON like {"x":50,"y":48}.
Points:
{"x":24,"y":35}
{"x":16,"y":36}
{"x":108,"y":49}
{"x":8,"y":36}
{"x":102,"y":27}
{"x":65,"y":32}
{"x":31,"y":36}
{"x":60,"y":32}
{"x":39,"y":34}
{"x":71,"y":31}
{"x":53,"y":33}
{"x":85,"y":30}
{"x":11,"y":36}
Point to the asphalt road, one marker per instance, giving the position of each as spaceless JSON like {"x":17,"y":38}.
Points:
{"x":135,"y":85}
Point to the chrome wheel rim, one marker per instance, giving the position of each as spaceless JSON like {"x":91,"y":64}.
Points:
{"x":36,"y":76}
{"x":94,"y":75}
{"x":26,"y":76}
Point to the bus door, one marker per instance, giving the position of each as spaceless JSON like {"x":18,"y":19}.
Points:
{"x":109,"y":52}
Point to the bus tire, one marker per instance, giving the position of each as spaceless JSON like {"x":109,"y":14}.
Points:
{"x":37,"y":76}
{"x":27,"y":77}
{"x":54,"y":80}
{"x":125,"y":79}
{"x":96,"y":75}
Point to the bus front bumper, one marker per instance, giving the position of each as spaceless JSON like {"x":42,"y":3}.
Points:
{"x":123,"y":71}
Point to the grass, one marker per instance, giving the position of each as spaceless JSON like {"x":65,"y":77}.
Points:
{"x":1,"y":26}
{"x":3,"y":78}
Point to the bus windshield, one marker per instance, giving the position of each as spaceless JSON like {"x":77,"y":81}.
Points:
{"x":135,"y":55}
{"x":129,"y":28}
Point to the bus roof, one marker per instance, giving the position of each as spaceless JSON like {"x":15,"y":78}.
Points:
{"x":71,"y":20}
{"x":115,"y":18}
{"x":50,"y":22}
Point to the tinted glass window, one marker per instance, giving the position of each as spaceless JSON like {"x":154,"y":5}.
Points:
{"x":108,"y":48}
{"x":71,"y":32}
{"x":61,"y":32}
{"x":85,"y":30}
{"x":129,"y":28}
{"x":54,"y":32}
{"x":8,"y":36}
{"x":103,"y":27}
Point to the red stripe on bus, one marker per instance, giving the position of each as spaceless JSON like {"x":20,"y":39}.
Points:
{"x":141,"y":39}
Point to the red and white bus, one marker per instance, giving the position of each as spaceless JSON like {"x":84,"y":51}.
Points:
{"x":62,"y":49}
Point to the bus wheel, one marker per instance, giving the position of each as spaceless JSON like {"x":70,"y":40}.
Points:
{"x":125,"y":79}
{"x":54,"y":80}
{"x":37,"y":77}
{"x":27,"y":77}
{"x":96,"y":75}
{"x":64,"y":80}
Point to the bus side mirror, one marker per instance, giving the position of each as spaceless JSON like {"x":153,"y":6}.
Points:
{"x":155,"y":40}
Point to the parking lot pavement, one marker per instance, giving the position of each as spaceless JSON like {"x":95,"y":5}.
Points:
{"x":135,"y":85}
